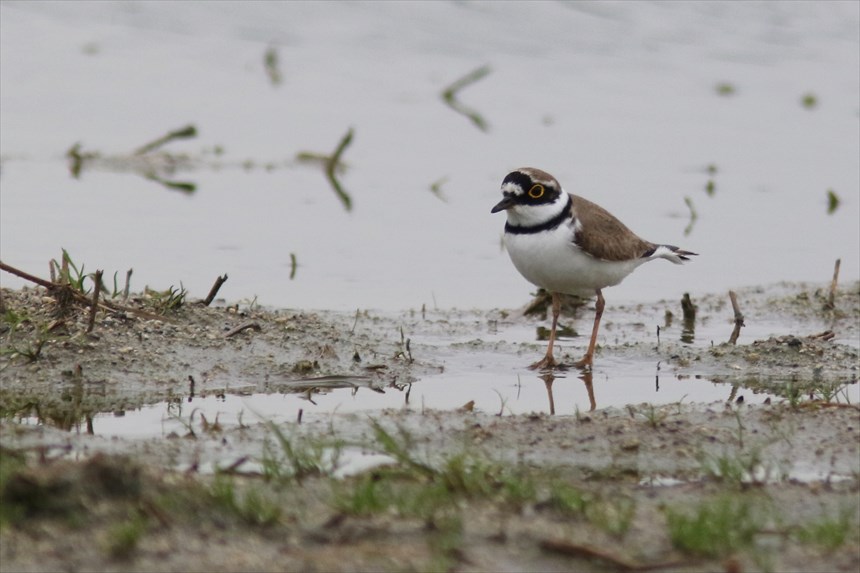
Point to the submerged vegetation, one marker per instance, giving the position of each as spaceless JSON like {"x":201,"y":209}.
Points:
{"x":450,"y":96}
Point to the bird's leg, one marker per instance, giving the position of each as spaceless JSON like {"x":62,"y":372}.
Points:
{"x":586,"y":377}
{"x":548,"y":362}
{"x":548,"y":379}
{"x":586,"y":360}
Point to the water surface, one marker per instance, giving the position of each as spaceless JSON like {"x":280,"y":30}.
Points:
{"x":618,"y":100}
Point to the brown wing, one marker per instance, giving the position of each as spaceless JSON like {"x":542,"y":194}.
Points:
{"x":605,"y":237}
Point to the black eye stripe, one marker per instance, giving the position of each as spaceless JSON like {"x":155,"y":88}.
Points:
{"x":521,"y":180}
{"x":523,"y":189}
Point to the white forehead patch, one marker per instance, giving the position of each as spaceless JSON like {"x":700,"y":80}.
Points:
{"x":511,"y":188}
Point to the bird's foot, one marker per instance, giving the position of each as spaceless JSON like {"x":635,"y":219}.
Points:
{"x":547,"y":363}
{"x":584,"y":364}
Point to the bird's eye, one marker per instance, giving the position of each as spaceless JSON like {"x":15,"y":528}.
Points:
{"x":536,"y":192}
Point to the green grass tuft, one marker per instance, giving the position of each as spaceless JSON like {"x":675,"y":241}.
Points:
{"x":716,"y":527}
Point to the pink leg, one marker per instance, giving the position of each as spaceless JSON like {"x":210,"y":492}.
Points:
{"x":548,"y":362}
{"x":589,"y":355}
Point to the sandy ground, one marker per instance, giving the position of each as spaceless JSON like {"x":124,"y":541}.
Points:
{"x":78,"y":502}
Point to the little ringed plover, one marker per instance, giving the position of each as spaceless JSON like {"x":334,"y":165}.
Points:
{"x":569,"y":245}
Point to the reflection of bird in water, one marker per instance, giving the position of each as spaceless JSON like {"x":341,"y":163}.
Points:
{"x":548,"y":378}
{"x":586,"y":379}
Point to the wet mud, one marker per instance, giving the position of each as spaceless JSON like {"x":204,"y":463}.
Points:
{"x":314,"y":485}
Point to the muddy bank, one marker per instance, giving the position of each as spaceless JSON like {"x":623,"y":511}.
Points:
{"x":791,"y":346}
{"x":681,"y":485}
{"x":450,"y":491}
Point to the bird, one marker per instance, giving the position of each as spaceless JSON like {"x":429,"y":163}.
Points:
{"x":568,"y":245}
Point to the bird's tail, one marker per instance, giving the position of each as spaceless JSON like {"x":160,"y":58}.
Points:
{"x":670,"y":253}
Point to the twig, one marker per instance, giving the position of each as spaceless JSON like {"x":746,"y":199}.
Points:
{"x":831,"y":299}
{"x":214,"y":290}
{"x":739,"y":318}
{"x":232,"y":468}
{"x":688,"y":308}
{"x":331,"y":166}
{"x":186,"y":132}
{"x":449,"y":96}
{"x":127,"y":284}
{"x":615,"y":561}
{"x":81,"y":298}
{"x":826,"y":335}
{"x":256,"y":326}
{"x":94,"y":308}
{"x":823,"y":404}
{"x":64,"y":271}
{"x":27,"y":276}
{"x":689,"y":313}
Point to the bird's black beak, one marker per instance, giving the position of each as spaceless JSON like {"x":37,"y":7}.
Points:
{"x":504,"y":204}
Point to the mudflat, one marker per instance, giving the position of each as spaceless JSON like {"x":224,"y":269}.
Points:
{"x":744,"y":483}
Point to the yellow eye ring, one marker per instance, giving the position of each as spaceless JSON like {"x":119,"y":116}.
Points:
{"x":536,"y":192}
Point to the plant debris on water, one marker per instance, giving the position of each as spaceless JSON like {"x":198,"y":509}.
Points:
{"x":450,"y":96}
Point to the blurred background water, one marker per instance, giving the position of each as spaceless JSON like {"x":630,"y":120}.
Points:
{"x":745,"y":114}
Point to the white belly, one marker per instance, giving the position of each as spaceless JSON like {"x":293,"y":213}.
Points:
{"x":551,"y":260}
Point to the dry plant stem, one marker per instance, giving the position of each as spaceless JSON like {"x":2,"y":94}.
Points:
{"x":214,"y":290}
{"x":242,"y":327}
{"x":65,"y":268}
{"x":739,"y":318}
{"x":831,"y":299}
{"x":26,"y":276}
{"x":688,"y":309}
{"x":95,"y":306}
{"x":593,"y":553}
{"x":105,"y":305}
{"x":127,"y":284}
{"x":232,"y":468}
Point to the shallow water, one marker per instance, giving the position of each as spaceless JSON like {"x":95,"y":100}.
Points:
{"x":617,"y":100}
{"x":566,"y":394}
{"x":477,"y":362}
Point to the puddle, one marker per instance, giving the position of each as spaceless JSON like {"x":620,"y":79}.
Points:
{"x":464,"y":360}
{"x":564,"y":395}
